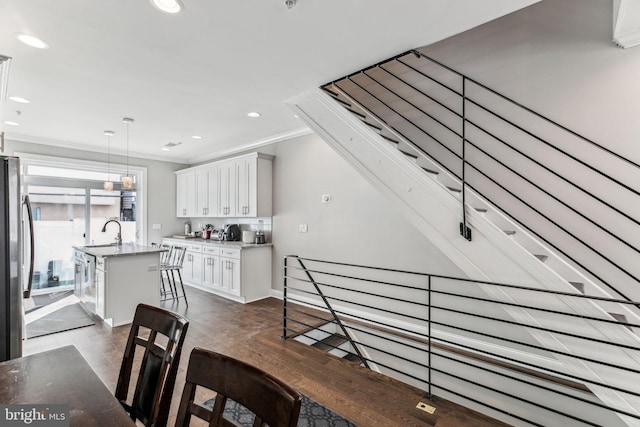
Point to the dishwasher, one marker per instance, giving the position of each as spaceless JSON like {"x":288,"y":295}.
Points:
{"x":84,"y":278}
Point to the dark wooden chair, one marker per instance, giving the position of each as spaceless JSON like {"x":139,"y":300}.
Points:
{"x":272,"y":401}
{"x":160,"y":334}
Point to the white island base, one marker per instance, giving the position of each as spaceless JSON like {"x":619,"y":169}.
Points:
{"x":125,"y":277}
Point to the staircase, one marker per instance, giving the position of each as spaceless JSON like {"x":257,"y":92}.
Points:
{"x":325,"y":338}
{"x":507,"y":194}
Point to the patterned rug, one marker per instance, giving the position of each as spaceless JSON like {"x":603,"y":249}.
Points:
{"x":312,"y":414}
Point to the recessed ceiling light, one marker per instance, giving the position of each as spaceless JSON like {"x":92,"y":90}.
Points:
{"x":196,"y":137}
{"x":165,"y":148}
{"x":33,"y":41}
{"x":7,"y":122}
{"x":19,"y":99}
{"x":254,"y":114}
{"x":168,"y":6}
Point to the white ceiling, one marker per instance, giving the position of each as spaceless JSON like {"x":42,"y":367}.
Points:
{"x":201,"y":71}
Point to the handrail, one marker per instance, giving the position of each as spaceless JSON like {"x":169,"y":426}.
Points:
{"x":375,"y":302}
{"x":497,"y":189}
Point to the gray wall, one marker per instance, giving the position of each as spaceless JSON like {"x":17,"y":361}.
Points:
{"x":161,"y":183}
{"x":358,"y":226}
{"x":557,"y":58}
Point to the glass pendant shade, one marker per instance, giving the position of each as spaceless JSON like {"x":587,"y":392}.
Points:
{"x":127,"y":182}
{"x":108,"y":185}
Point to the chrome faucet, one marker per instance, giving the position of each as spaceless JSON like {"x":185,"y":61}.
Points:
{"x":119,"y":235}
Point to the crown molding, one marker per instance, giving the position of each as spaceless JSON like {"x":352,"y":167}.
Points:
{"x":250,"y":146}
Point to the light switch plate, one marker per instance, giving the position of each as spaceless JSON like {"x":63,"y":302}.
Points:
{"x":303,"y":228}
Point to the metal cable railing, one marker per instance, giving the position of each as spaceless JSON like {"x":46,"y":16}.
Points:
{"x":458,"y":339}
{"x":576,"y":196}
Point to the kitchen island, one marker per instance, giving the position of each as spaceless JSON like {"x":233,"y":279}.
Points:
{"x":121,"y":277}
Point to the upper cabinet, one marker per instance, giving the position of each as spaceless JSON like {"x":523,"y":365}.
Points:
{"x":207,"y":191}
{"x":186,"y":194}
{"x":227,"y":188}
{"x":239,"y":187}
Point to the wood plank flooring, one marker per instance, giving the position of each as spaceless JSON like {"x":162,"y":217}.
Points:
{"x":252,"y":332}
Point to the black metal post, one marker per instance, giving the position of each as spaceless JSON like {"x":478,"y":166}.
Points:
{"x":284,"y":300}
{"x":465,"y":231}
{"x":429,"y":394}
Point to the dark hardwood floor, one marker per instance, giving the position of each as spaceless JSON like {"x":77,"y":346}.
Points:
{"x":251,"y":332}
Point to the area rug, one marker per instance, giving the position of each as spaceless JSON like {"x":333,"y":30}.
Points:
{"x":70,"y":316}
{"x":312,"y":414}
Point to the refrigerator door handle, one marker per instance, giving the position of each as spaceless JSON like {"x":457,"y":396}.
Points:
{"x":27,"y":293}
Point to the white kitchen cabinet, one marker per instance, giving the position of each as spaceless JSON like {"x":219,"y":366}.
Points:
{"x":238,"y":187}
{"x":192,"y":265}
{"x":253,"y":186}
{"x":207,"y":191}
{"x":186,"y":194}
{"x":227,"y":189}
{"x":230,"y":271}
{"x":241,"y":272}
{"x":211,"y":267}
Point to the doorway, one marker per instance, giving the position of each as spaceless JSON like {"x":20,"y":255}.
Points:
{"x":70,"y":208}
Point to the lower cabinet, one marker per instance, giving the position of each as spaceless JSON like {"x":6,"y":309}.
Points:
{"x":211,"y":267}
{"x":192,"y":267}
{"x":235,"y":271}
{"x":230,"y":271}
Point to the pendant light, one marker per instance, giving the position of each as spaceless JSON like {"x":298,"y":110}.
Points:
{"x":108,"y":184}
{"x":127,"y":180}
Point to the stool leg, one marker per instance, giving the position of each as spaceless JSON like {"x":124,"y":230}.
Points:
{"x":184,"y":295}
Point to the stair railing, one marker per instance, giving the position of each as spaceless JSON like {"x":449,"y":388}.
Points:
{"x":450,"y":338}
{"x":326,"y":302}
{"x":460,"y":133}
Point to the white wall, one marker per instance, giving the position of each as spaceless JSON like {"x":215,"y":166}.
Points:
{"x":357,"y":226}
{"x":161,"y":183}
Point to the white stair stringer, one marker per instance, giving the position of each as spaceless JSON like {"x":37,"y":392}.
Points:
{"x":491,"y":256}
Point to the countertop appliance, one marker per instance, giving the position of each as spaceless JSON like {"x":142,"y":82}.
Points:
{"x":232,"y":232}
{"x":16,"y":237}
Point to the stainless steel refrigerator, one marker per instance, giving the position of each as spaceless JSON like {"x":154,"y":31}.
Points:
{"x":16,"y":257}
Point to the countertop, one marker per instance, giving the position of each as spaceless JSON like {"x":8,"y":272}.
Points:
{"x":127,"y":249}
{"x":221,"y":243}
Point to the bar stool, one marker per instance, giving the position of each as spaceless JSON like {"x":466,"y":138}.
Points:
{"x":173,"y":267}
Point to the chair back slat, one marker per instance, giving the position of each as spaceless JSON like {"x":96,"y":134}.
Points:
{"x":155,"y":382}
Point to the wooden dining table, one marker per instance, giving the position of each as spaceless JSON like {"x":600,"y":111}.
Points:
{"x":61,"y":377}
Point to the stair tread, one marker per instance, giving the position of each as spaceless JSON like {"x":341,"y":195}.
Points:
{"x":430,"y":171}
{"x":454,"y":189}
{"x":481,"y":210}
{"x":390,"y":139}
{"x":330,"y":342}
{"x":351,"y":357}
{"x":409,"y":154}
{"x":371,"y":125}
{"x":331,"y":92}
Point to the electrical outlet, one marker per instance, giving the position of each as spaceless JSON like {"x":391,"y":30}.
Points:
{"x":426,"y":408}
{"x":157,"y":226}
{"x":303,"y":228}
